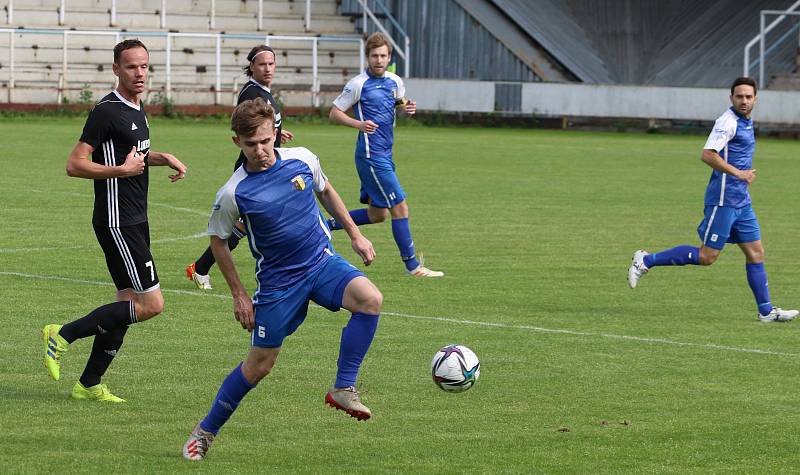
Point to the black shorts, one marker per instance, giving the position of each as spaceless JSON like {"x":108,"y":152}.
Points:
{"x":127,"y":251}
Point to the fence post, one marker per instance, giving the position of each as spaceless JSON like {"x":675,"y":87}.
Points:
{"x":761,"y":53}
{"x":260,"y":15}
{"x":113,"y":21}
{"x":314,"y":75}
{"x":168,"y":50}
{"x":11,"y":66}
{"x":213,"y":21}
{"x":307,"y":25}
{"x":218,"y":87}
{"x":163,"y":13}
{"x":61,"y":13}
{"x":408,"y":58}
{"x":64,"y":81}
{"x":10,"y":18}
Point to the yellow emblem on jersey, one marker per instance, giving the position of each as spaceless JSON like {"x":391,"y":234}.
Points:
{"x":299,"y":183}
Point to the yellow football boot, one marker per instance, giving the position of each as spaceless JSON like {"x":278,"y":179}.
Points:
{"x":54,"y":349}
{"x":98,"y":392}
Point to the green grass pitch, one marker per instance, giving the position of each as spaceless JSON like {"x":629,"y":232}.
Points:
{"x":534,"y":230}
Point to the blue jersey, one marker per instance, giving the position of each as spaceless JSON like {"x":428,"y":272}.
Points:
{"x":734,"y":139}
{"x":285,"y":229}
{"x":373,"y":98}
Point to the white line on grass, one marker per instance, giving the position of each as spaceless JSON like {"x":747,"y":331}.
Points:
{"x":94,"y":245}
{"x":639,"y":339}
{"x":150,"y":203}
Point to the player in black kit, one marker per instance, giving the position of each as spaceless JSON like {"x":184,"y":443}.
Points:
{"x":117,"y":138}
{"x":261,"y":71}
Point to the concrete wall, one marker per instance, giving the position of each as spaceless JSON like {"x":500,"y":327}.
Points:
{"x":557,"y":100}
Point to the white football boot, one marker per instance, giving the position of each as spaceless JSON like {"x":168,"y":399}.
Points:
{"x":422,"y":271}
{"x":203,"y":282}
{"x":198,"y":444}
{"x":778,"y":315}
{"x":637,"y":268}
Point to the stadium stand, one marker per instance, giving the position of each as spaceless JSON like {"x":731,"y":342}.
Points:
{"x":624,"y":42}
{"x":642,"y":42}
{"x":40,"y":30}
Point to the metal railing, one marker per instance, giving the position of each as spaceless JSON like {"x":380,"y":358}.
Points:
{"x":168,"y":64}
{"x":404,"y":52}
{"x":212,"y":14}
{"x":760,"y":39}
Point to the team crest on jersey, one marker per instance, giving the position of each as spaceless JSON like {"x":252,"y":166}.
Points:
{"x":299,"y":183}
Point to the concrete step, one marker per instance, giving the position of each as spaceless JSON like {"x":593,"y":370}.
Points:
{"x":230,"y":77}
{"x":270,"y":7}
{"x":785,"y":82}
{"x":180,"y":21}
{"x":298,"y":58}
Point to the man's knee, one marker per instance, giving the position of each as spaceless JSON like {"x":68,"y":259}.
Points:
{"x":377,"y":215}
{"x":707,"y":257}
{"x":149,"y":307}
{"x":258,"y":369}
{"x":370,"y":301}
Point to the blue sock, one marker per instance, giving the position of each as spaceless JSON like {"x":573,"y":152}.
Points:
{"x":757,"y":278}
{"x":402,"y":237}
{"x":677,"y":256}
{"x":360,"y":217}
{"x":356,"y":338}
{"x":230,"y":394}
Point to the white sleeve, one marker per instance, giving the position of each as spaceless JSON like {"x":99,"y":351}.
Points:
{"x":224,"y":213}
{"x":349,"y":96}
{"x":401,"y":88}
{"x":724,"y":130}
{"x":316,"y":169}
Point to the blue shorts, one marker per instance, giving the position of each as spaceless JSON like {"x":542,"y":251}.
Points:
{"x":280,"y":312}
{"x":379,"y":184}
{"x":723,"y":224}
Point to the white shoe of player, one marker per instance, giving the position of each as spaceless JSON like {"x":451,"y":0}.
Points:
{"x":198,"y":444}
{"x":203,"y":282}
{"x":637,"y":268}
{"x":778,"y":315}
{"x":422,"y":271}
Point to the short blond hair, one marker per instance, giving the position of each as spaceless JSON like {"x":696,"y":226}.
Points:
{"x":248,"y":116}
{"x":376,"y":40}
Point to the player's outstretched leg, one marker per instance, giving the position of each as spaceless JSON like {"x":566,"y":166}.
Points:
{"x":359,"y":216}
{"x":642,"y":261}
{"x":98,"y":392}
{"x":54,"y":348}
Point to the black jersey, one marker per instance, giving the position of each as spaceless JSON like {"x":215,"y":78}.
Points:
{"x":113,"y":127}
{"x":251,"y":90}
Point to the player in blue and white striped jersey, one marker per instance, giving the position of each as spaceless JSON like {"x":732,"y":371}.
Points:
{"x":275,"y":194}
{"x":260,"y":70}
{"x":373,"y":95}
{"x":729,"y":216}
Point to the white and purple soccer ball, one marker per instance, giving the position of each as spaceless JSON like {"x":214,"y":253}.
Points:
{"x":455,"y":368}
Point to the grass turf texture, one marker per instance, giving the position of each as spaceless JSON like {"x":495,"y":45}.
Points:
{"x":534,"y":230}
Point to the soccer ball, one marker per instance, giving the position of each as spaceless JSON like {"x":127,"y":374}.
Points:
{"x":455,"y":368}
